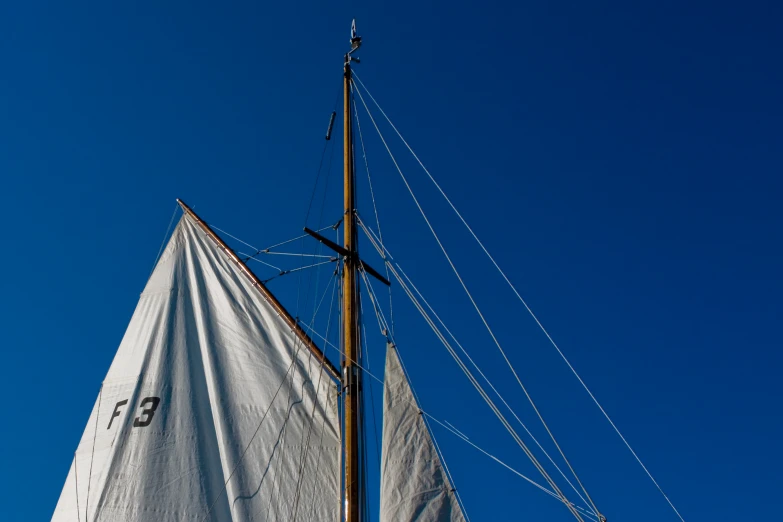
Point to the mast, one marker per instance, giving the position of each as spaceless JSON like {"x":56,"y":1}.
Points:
{"x":351,"y":374}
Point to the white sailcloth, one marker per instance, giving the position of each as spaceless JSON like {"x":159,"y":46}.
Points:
{"x":211,"y":410}
{"x":414,"y":486}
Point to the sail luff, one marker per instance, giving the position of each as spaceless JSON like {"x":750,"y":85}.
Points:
{"x":414,"y":482}
{"x":268,"y":295}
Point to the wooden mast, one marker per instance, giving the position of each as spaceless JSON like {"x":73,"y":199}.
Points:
{"x":351,"y":374}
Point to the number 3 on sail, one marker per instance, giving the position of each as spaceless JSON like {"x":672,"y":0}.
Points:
{"x":149,"y":405}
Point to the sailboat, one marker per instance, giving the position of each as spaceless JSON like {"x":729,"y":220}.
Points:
{"x":220,"y":406}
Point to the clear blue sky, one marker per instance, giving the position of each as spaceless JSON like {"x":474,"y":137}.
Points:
{"x":623,"y":161}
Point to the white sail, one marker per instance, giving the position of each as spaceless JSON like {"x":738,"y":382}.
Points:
{"x":414,"y":486}
{"x":212,"y":409}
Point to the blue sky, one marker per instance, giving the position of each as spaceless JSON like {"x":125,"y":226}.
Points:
{"x":621,"y":161}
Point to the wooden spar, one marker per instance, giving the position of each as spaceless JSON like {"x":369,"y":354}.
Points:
{"x":265,"y":293}
{"x":345,"y":253}
{"x":350,"y":314}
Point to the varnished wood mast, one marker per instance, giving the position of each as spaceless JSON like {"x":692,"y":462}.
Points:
{"x":351,"y":374}
{"x":265,"y":293}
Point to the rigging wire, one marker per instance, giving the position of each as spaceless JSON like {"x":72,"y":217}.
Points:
{"x":252,"y":258}
{"x":306,"y":447}
{"x":264,"y":250}
{"x":297,"y":269}
{"x":372,"y":396}
{"x":464,"y":438}
{"x":317,"y":176}
{"x":374,"y":206}
{"x":290,"y":391}
{"x":163,"y":243}
{"x":475,"y":305}
{"x":480,"y":389}
{"x":392,"y":346}
{"x":525,"y":304}
{"x":293,"y":254}
{"x":242,"y":455}
{"x":94,"y":438}
{"x":317,"y":467}
{"x":387,"y":255}
{"x":320,"y":220}
{"x":274,"y":495}
{"x":492,"y":387}
{"x":448,"y":426}
{"x":317,"y":249}
{"x":301,"y":268}
{"x":391,"y":307}
{"x":451,"y":428}
{"x":285,"y":242}
{"x":321,"y":162}
{"x":383,"y":328}
{"x":76,"y":478}
{"x":484,"y":395}
{"x":326,"y":187}
{"x":323,"y":423}
{"x":450,"y":477}
{"x":298,"y":343}
{"x":232,"y":237}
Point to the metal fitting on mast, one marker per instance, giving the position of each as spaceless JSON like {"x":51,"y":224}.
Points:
{"x":356,"y":42}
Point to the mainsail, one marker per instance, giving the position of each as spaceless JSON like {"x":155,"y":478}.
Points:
{"x":414,"y":485}
{"x":212,"y":408}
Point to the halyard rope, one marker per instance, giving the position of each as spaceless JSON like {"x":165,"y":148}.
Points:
{"x":94,"y":437}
